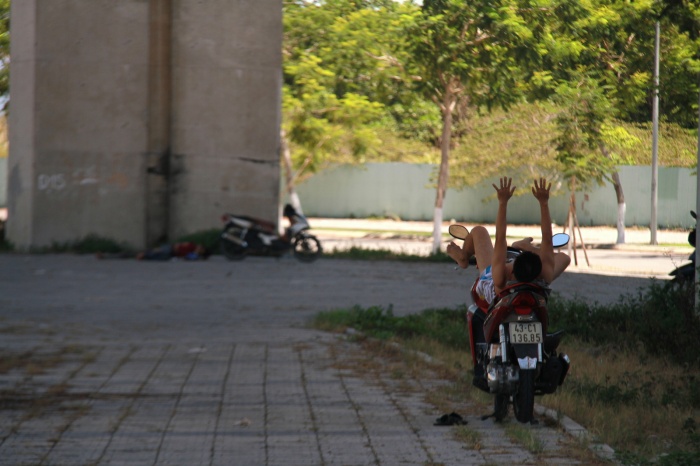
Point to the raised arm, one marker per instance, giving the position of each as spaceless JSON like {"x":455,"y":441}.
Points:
{"x":541,"y":192}
{"x":500,"y":247}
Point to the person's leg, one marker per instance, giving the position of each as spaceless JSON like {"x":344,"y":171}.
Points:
{"x":479,"y":244}
{"x":524,"y":244}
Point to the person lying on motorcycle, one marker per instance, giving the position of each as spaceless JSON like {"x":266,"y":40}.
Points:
{"x":531,"y":265}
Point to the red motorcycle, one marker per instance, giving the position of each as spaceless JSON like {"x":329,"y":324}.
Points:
{"x":514,"y":357}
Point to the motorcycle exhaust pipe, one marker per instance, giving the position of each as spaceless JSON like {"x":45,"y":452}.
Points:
{"x":234,"y":239}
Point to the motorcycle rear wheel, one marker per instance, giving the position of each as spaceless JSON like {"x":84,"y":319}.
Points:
{"x":231,"y":250}
{"x":307,"y":248}
{"x":524,"y":399}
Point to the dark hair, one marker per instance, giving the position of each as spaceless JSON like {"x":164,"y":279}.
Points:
{"x":527,"y":266}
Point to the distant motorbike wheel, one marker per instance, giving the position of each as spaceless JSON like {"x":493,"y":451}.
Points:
{"x":229,"y":248}
{"x":500,"y":407}
{"x":307,"y":248}
{"x":524,"y":399}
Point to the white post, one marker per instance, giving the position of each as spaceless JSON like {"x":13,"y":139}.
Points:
{"x":655,"y":142}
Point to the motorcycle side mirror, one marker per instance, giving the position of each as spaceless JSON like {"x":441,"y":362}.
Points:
{"x":560,"y":239}
{"x":458,"y":231}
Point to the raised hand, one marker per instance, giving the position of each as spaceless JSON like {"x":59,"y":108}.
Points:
{"x":504,"y":192}
{"x":541,"y":190}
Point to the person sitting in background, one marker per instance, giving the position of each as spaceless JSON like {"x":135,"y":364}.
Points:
{"x":184,"y":250}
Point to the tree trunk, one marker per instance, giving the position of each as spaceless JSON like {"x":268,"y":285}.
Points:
{"x":446,"y":108}
{"x":621,"y":206}
{"x":289,"y":173}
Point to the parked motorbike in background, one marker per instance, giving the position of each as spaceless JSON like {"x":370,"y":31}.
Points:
{"x":243,"y":235}
{"x":686,"y":272}
{"x":514,"y":357}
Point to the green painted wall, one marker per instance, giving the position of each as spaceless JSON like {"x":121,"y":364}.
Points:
{"x":405,"y":191}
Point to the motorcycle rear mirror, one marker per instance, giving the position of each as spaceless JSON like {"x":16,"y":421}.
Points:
{"x":458,"y":231}
{"x":560,"y":239}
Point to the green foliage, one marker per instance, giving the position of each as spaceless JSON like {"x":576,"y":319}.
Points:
{"x":4,"y":47}
{"x":677,"y":145}
{"x":516,"y":141}
{"x":342,"y":68}
{"x":362,"y":79}
{"x":419,"y":120}
{"x":584,"y":110}
{"x":661,"y":319}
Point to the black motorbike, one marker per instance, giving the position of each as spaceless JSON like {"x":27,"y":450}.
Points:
{"x":686,"y":272}
{"x":243,"y":235}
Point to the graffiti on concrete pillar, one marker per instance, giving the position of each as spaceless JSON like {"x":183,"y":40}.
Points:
{"x":49,"y":183}
{"x":85,"y":176}
{"x":59,"y":181}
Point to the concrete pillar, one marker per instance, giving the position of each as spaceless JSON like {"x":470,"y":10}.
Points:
{"x":139,"y":120}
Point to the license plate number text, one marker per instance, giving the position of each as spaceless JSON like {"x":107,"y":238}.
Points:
{"x":524,"y":333}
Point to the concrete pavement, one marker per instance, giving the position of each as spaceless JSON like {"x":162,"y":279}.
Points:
{"x":188,"y":363}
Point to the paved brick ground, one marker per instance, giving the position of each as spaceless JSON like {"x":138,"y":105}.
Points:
{"x":211,"y":363}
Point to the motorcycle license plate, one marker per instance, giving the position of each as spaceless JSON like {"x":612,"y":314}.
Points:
{"x":523,"y":333}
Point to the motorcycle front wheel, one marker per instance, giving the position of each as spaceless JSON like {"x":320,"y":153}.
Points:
{"x":229,"y":248}
{"x":307,"y":248}
{"x":524,"y":399}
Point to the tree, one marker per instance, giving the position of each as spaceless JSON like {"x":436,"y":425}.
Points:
{"x":586,"y":130}
{"x":4,"y":48}
{"x":604,"y":46}
{"x":341,"y":72}
{"x":321,"y":126}
{"x":467,"y":53}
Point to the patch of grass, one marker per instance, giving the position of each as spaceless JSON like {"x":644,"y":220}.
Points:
{"x":356,"y":253}
{"x":447,"y":326}
{"x":90,"y":244}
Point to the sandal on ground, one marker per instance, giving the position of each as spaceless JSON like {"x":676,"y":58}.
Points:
{"x":452,"y":419}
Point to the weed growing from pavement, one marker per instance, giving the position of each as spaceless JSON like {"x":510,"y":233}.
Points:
{"x":635,"y":377}
{"x":525,"y":437}
{"x":470,"y":437}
